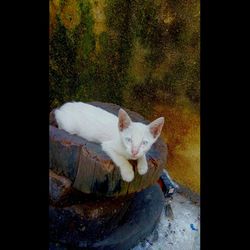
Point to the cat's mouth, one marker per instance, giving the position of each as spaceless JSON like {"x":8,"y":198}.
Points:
{"x":133,"y":157}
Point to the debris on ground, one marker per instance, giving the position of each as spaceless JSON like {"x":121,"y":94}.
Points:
{"x":178,"y":232}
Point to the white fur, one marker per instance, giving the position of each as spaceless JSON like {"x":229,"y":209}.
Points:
{"x":120,"y":138}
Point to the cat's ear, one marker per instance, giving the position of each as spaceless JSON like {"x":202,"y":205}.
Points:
{"x":124,"y":120}
{"x":155,"y":127}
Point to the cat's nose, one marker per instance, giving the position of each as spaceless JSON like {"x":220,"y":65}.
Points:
{"x":134,"y":151}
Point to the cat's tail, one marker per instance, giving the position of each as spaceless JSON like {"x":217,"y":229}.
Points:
{"x":52,"y":118}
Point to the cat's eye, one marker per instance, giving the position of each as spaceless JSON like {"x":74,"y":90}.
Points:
{"x":128,"y":139}
{"x":144,"y":142}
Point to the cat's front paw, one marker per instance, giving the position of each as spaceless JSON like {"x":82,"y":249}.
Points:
{"x":142,"y":168}
{"x":127,"y":175}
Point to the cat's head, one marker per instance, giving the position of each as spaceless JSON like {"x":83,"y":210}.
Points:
{"x":137,"y":137}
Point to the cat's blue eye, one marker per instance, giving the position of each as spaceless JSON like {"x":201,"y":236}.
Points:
{"x":144,"y":142}
{"x":128,"y":139}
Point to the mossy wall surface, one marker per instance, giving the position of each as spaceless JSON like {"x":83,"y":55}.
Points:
{"x":141,"y":54}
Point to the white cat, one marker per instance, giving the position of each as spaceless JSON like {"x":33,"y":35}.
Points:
{"x":119,"y":137}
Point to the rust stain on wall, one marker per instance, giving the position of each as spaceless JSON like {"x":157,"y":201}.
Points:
{"x":70,"y":14}
{"x":182,"y":134}
{"x":98,"y":12}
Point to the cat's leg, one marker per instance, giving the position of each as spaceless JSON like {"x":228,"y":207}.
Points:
{"x":142,"y":165}
{"x":125,"y":167}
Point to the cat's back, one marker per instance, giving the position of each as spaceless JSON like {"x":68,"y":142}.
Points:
{"x":81,"y":108}
{"x":87,"y":121}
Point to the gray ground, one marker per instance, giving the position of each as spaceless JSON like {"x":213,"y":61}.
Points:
{"x":180,"y":232}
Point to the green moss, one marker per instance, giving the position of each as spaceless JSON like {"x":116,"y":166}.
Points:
{"x":104,"y":39}
{"x":115,"y":46}
{"x":79,"y":71}
{"x":149,"y":29}
{"x":62,"y":3}
{"x":62,"y":74}
{"x":71,"y":50}
{"x":118,"y":13}
{"x":84,"y":33}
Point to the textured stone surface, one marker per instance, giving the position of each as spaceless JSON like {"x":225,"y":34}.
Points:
{"x":91,"y":170}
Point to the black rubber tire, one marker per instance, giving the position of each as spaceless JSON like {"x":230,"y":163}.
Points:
{"x":135,"y":225}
